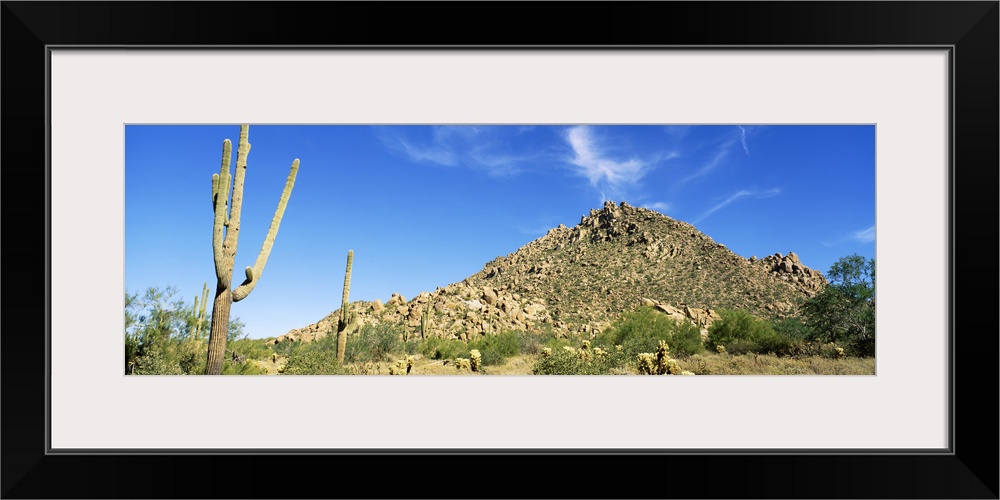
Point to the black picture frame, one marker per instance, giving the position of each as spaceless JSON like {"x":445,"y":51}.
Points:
{"x":968,"y":470}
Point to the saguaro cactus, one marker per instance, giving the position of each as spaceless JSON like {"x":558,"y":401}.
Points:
{"x":346,"y":320}
{"x":225,"y":231}
{"x":199,"y":314}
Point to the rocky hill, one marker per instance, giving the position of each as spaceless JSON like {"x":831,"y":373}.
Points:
{"x":578,"y":280}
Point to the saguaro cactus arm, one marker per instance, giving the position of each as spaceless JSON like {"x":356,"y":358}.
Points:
{"x":253,"y":273}
{"x":236,"y":207}
{"x":220,"y":200}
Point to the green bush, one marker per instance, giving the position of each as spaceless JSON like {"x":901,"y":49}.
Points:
{"x":642,"y":329}
{"x":311,"y":358}
{"x":153,"y":362}
{"x":250,"y":348}
{"x":378,"y":342}
{"x":530,"y":343}
{"x":795,"y":329}
{"x":286,"y":348}
{"x":740,"y":332}
{"x":230,"y":367}
{"x":412,"y":346}
{"x":314,"y":362}
{"x":564,"y":362}
{"x":496,"y":348}
{"x":438,"y":348}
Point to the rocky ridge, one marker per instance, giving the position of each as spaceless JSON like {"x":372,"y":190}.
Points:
{"x":578,"y":280}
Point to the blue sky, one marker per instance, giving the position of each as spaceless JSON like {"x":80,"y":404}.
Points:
{"x":426,"y":206}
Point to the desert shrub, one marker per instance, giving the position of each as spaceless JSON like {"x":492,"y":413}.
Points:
{"x":313,"y":362}
{"x":438,"y":348}
{"x":412,"y":346}
{"x":738,"y":325}
{"x":529,"y":343}
{"x":286,"y":348}
{"x":153,"y":362}
{"x":318,"y":357}
{"x":831,"y":350}
{"x":641,"y":330}
{"x":776,"y":344}
{"x":740,"y":333}
{"x":570,"y":361}
{"x":496,"y":348}
{"x":555,"y":342}
{"x":230,"y":367}
{"x":378,"y":342}
{"x":250,"y":348}
{"x":190,"y":358}
{"x":794,"y":328}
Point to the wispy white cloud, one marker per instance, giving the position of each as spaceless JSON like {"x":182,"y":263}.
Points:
{"x":676,"y":131}
{"x":866,"y":235}
{"x":659,"y":206}
{"x":477,"y":147}
{"x":738,"y":195}
{"x":716,"y":158}
{"x":708,"y":166}
{"x":437,"y":153}
{"x":597,"y":167}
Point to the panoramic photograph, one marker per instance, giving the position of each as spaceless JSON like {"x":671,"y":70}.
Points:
{"x":485,"y":249}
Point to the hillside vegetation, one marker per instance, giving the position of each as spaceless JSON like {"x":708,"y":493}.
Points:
{"x":626,"y":291}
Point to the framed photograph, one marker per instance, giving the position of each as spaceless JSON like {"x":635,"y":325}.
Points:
{"x":911,"y":86}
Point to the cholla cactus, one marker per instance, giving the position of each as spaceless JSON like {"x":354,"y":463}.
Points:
{"x":586,"y":345}
{"x":600,"y":353}
{"x":402,"y":367}
{"x":569,"y":349}
{"x":840,"y":352}
{"x":721,"y":349}
{"x":659,"y":363}
{"x":475,"y":360}
{"x":546,"y":352}
{"x":647,"y":363}
{"x":463,"y":364}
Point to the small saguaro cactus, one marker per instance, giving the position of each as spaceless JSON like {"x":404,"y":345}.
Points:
{"x":225,"y":231}
{"x":424,"y":318}
{"x":199,"y":314}
{"x":347,"y":321}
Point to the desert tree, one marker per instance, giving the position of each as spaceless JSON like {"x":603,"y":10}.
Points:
{"x":844,"y":311}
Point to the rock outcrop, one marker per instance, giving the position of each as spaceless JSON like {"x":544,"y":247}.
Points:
{"x":578,"y":280}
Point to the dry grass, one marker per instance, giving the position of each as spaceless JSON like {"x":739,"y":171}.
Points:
{"x":700,"y":364}
{"x":768,"y":364}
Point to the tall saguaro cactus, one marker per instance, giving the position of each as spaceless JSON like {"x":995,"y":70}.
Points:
{"x":346,"y":322}
{"x":226,"y":230}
